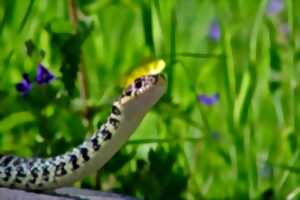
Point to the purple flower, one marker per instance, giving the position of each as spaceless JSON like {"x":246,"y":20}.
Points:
{"x":43,"y":76}
{"x":266,"y":171}
{"x":274,"y":6}
{"x":208,"y":100}
{"x":25,"y":85}
{"x":285,"y":30}
{"x":215,"y":136}
{"x":214,"y":31}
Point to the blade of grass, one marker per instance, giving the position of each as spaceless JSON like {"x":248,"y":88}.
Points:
{"x":293,"y":195}
{"x":230,"y":68}
{"x":287,"y":172}
{"x":26,"y":16}
{"x":243,"y":101}
{"x":7,"y":7}
{"x":164,"y":140}
{"x":172,"y":52}
{"x":256,"y":27}
{"x":147,"y":23}
{"x":199,"y":55}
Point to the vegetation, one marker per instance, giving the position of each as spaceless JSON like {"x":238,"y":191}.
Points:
{"x":228,"y":126}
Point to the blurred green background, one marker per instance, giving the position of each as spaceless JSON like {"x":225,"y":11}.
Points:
{"x":244,"y":146}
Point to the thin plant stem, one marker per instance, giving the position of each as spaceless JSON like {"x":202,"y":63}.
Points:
{"x":164,"y":140}
{"x":82,"y":73}
{"x":82,"y":70}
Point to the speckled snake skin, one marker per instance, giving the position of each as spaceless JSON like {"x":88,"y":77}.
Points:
{"x":48,"y":173}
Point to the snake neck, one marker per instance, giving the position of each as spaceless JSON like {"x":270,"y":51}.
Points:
{"x":92,"y":154}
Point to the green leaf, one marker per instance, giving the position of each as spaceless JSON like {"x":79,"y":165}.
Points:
{"x":14,"y":120}
{"x":61,"y":26}
{"x":243,"y":101}
{"x":27,"y":14}
{"x":30,"y":47}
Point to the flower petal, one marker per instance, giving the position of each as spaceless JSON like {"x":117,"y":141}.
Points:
{"x":208,"y":100}
{"x":274,"y":7}
{"x":43,"y":76}
{"x":215,"y":32}
{"x":25,"y":85}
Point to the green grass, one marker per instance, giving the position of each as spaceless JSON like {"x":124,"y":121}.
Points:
{"x":246,"y":146}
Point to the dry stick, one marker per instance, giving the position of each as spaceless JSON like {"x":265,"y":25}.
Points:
{"x":84,"y":95}
{"x":73,"y":13}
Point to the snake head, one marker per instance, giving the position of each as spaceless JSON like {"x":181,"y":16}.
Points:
{"x":144,"y":92}
{"x":143,"y":84}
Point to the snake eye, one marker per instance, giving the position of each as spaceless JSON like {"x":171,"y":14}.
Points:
{"x":138,"y":83}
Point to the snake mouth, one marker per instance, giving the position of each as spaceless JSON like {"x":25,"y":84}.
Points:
{"x":163,"y":77}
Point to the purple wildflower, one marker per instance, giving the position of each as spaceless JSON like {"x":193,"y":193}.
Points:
{"x":43,"y":75}
{"x":215,"y":136}
{"x":274,"y":7}
{"x":208,"y":100}
{"x":266,"y":171}
{"x":214,"y":31}
{"x":25,"y":85}
{"x":285,"y":30}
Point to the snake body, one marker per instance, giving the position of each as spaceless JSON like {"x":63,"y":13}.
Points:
{"x":53,"y":172}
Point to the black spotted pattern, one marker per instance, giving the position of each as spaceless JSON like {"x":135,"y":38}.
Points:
{"x":106,"y":134}
{"x":17,"y":161}
{"x":7,"y":172}
{"x":45,"y":173}
{"x":96,"y":145}
{"x":116,"y":110}
{"x":40,"y":185}
{"x":6,"y":160}
{"x":21,"y":171}
{"x":73,"y":160}
{"x":20,"y":174}
{"x":84,"y":153}
{"x":34,"y":173}
{"x":114,"y":122}
{"x":31,"y":162}
{"x":60,"y":169}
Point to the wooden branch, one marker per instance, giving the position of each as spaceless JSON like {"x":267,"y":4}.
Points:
{"x":61,"y":194}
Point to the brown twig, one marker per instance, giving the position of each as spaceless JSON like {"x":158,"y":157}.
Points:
{"x":84,"y":95}
{"x":82,"y":71}
{"x":73,"y":13}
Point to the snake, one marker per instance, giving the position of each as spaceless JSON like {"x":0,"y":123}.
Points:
{"x":127,"y":112}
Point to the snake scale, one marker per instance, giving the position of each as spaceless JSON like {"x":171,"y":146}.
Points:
{"x":48,"y":173}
